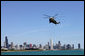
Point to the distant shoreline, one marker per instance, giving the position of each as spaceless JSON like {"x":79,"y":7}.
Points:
{"x":33,"y":50}
{"x":21,"y":50}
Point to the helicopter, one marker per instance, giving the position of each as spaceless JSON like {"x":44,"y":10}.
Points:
{"x":52,"y":19}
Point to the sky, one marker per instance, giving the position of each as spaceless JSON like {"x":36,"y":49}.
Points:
{"x":23,"y":21}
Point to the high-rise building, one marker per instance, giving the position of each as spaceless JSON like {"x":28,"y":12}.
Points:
{"x":6,"y":41}
{"x":24,"y":45}
{"x":34,"y":46}
{"x":16,"y":47}
{"x":55,"y":46}
{"x":78,"y":45}
{"x":27,"y":45}
{"x":48,"y":46}
{"x":59,"y":45}
{"x":64,"y":46}
{"x":4,"y":44}
{"x":30,"y":45}
{"x":11,"y":44}
{"x":59,"y":42}
{"x":51,"y":44}
{"x":40,"y":46}
{"x":72,"y":46}
{"x":68,"y":46}
{"x":21,"y":47}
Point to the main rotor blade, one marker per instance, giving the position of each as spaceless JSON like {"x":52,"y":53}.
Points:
{"x":55,"y":15}
{"x":47,"y":15}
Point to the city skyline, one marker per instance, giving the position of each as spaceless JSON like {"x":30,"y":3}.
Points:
{"x":29,"y":46}
{"x":22,"y":21}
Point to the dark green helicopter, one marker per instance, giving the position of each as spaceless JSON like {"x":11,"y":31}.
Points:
{"x":52,"y":19}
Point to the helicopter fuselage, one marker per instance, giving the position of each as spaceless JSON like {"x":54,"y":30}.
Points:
{"x":51,"y":20}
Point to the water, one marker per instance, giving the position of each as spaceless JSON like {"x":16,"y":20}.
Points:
{"x":55,"y":52}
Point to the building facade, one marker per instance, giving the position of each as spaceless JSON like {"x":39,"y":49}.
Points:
{"x":51,"y":44}
{"x":6,"y":42}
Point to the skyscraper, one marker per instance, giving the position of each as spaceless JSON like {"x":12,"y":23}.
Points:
{"x":34,"y":46}
{"x":59,"y":45}
{"x":72,"y":46}
{"x":6,"y":41}
{"x":16,"y":47}
{"x":78,"y":45}
{"x":4,"y":44}
{"x":21,"y":47}
{"x":51,"y":44}
{"x":68,"y":46}
{"x":64,"y":46}
{"x":30,"y":45}
{"x":48,"y":46}
{"x":40,"y":46}
{"x":24,"y":45}
{"x":12,"y":45}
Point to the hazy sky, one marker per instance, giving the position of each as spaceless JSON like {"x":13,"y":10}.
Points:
{"x":22,"y":21}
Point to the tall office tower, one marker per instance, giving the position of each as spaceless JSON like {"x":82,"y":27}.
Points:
{"x":30,"y":45}
{"x":68,"y":46}
{"x":48,"y":46}
{"x":6,"y":41}
{"x":59,"y":45}
{"x":21,"y":47}
{"x":24,"y":45}
{"x":40,"y":46}
{"x":16,"y":47}
{"x":51,"y":44}
{"x":4,"y":44}
{"x":11,"y":44}
{"x":78,"y":45}
{"x":34,"y":46}
{"x":27,"y":45}
{"x":64,"y":46}
{"x":72,"y":46}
